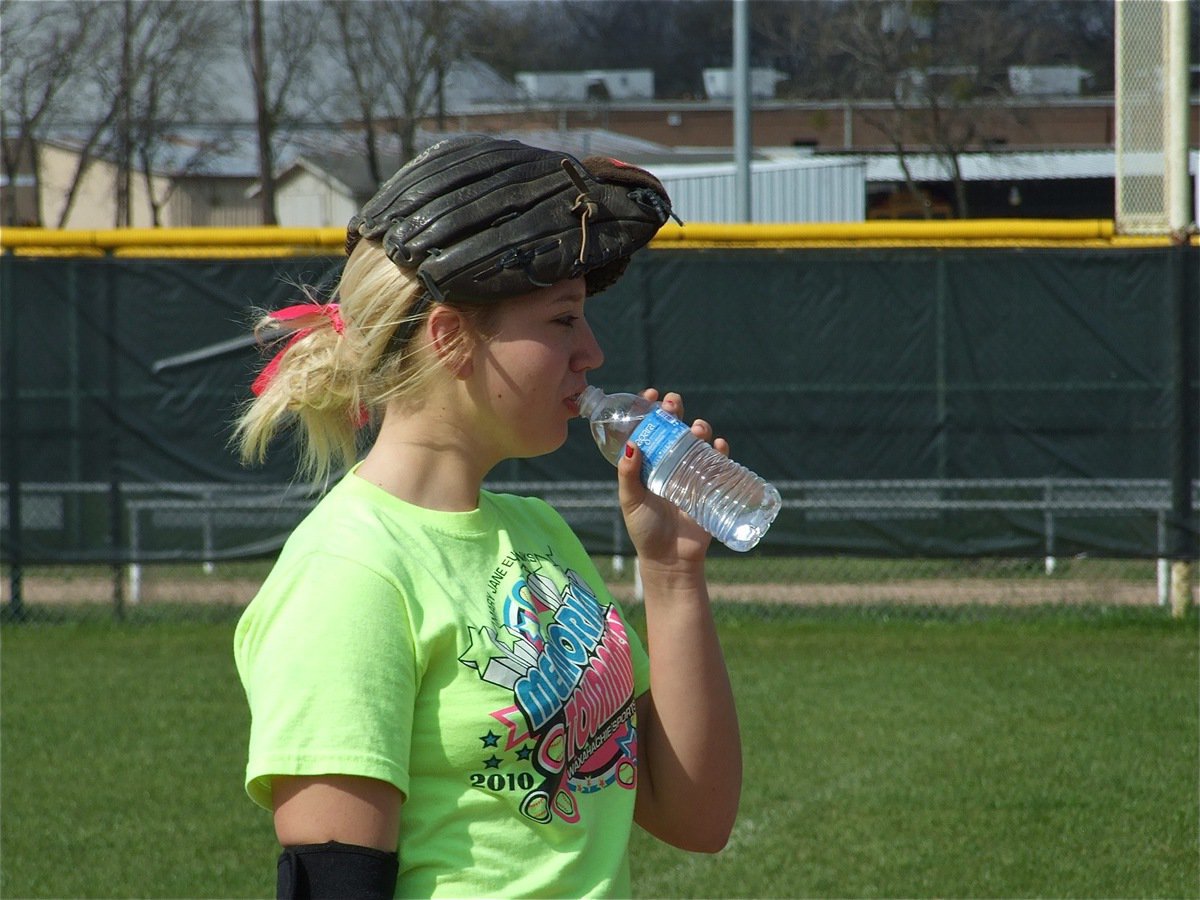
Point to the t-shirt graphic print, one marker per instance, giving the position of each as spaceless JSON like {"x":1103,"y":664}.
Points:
{"x":565,"y":657}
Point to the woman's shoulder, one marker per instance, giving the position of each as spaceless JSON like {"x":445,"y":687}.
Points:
{"x":349,"y":526}
{"x":338,"y":516}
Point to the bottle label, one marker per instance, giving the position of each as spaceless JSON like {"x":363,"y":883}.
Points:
{"x":655,"y":436}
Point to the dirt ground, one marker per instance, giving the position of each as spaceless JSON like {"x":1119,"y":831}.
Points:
{"x":932,"y":591}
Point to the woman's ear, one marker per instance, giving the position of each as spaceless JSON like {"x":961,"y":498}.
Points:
{"x":450,"y":338}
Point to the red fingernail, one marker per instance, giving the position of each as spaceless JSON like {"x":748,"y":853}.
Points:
{"x":629,"y":451}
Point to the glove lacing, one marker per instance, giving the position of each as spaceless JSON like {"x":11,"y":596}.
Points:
{"x":584,"y":207}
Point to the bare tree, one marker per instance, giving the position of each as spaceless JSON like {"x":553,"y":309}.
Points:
{"x":1081,"y":33}
{"x":802,"y":40}
{"x":97,"y":105}
{"x":154,"y":48}
{"x":444,"y":21}
{"x":394,"y":58}
{"x":113,"y":78}
{"x":365,"y":89}
{"x":674,"y":38}
{"x":427,"y":42}
{"x":940,"y":65}
{"x":503,"y":34}
{"x":279,"y":40}
{"x":44,"y":48}
{"x":166,"y":91}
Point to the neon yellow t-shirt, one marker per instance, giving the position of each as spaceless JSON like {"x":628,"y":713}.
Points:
{"x":474,"y":660}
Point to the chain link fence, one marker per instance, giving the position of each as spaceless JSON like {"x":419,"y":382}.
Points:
{"x":190,"y":543}
{"x":951,"y":427}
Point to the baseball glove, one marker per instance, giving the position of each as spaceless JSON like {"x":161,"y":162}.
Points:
{"x":480,"y":219}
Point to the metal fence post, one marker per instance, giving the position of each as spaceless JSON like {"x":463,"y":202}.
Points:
{"x":941,"y":350}
{"x":1162,"y":565}
{"x":12,"y":442}
{"x":1048,"y":524}
{"x":135,"y":543}
{"x":113,"y":396}
{"x":1185,"y":362}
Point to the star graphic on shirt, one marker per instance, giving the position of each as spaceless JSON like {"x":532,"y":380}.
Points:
{"x":524,"y":753}
{"x":483,"y":649}
{"x":491,"y":740}
{"x":507,"y":639}
{"x":498,"y":662}
{"x":493,"y":763}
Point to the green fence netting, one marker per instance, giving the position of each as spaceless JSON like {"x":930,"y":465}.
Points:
{"x":914,"y":401}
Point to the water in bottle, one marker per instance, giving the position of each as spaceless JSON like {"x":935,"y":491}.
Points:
{"x":728,"y":500}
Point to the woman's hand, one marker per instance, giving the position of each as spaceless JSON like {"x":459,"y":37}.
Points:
{"x":689,"y":748}
{"x":662,"y":534}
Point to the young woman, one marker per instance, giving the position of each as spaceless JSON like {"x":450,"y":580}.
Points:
{"x":445,"y":699}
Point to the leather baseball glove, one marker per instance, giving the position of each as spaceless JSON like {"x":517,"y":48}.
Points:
{"x":480,"y":219}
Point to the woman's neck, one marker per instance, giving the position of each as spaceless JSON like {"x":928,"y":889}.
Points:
{"x":427,"y":459}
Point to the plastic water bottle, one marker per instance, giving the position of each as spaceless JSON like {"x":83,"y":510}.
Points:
{"x":728,"y":500}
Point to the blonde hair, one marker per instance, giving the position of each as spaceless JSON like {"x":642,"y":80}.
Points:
{"x":327,"y":381}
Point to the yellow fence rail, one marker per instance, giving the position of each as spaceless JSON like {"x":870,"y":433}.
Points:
{"x":279,"y":241}
{"x":213,"y":242}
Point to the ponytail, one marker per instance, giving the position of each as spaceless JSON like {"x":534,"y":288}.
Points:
{"x":338,"y":368}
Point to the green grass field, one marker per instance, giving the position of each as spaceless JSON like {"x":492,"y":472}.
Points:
{"x":980,"y":756}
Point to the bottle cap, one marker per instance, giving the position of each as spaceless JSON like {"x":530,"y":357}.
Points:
{"x":589,"y":400}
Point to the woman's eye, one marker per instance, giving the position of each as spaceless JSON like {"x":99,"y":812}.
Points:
{"x":567,"y":320}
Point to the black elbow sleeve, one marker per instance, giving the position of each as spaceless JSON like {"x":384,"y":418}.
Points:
{"x":335,"y":870}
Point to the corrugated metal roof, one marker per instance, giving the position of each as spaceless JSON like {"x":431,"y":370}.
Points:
{"x":349,"y":169}
{"x":824,"y":163}
{"x":1011,"y":166}
{"x":1014,"y":166}
{"x":195,"y":151}
{"x":581,"y":142}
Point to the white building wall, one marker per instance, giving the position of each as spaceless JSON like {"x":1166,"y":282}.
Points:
{"x":95,"y":202}
{"x":621,"y":84}
{"x":718,"y":83}
{"x":1057,"y":80}
{"x":626,"y":84}
{"x":307,"y":200}
{"x":780,"y":192}
{"x":216,"y":202}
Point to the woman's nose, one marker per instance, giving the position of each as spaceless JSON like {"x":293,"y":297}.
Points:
{"x":588,"y":355}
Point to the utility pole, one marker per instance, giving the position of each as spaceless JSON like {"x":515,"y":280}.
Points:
{"x":741,"y":108}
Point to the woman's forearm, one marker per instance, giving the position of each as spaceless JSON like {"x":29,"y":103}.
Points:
{"x":691,"y":774}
